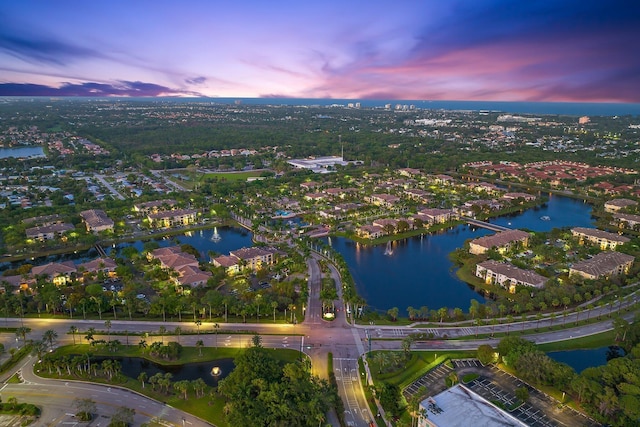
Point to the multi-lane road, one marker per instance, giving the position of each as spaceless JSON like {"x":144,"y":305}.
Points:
{"x":314,"y":336}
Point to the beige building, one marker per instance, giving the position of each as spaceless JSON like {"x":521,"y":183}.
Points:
{"x":48,"y":232}
{"x":605,"y":264}
{"x":616,"y":205}
{"x":603,"y":239}
{"x":96,"y":220}
{"x":173,"y":218}
{"x":628,"y":221}
{"x":508,"y":276}
{"x":385,"y":200}
{"x":370,"y":231}
{"x":60,"y":273}
{"x":154,"y":206}
{"x":253,"y":258}
{"x":437,"y":216}
{"x":502,"y":241}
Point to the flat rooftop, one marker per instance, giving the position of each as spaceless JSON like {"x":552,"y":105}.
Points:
{"x":320,"y":164}
{"x":459,"y":406}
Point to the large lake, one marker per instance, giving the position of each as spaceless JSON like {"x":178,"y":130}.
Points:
{"x":419,"y":271}
{"x":21,"y":152}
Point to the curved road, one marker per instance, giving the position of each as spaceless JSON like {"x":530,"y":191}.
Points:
{"x":316,"y":337}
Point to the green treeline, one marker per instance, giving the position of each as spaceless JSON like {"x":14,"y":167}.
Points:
{"x":609,"y":393}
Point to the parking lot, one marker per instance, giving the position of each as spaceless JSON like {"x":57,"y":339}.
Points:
{"x":434,"y":381}
{"x":496,"y":385}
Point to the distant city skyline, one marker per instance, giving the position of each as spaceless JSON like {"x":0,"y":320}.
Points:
{"x":494,"y":50}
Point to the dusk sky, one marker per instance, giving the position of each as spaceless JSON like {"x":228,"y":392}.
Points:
{"x":547,"y":50}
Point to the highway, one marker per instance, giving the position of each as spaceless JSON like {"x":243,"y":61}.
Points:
{"x":314,"y":336}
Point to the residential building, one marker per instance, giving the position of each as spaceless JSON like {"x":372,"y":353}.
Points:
{"x":230,"y":264}
{"x":616,"y":205}
{"x":192,"y":276}
{"x":386,"y":223}
{"x":104,"y":265}
{"x":629,"y":221}
{"x":255,"y":257}
{"x":410,"y":172}
{"x":386,"y":200}
{"x":602,"y":239}
{"x":60,"y":273}
{"x":437,"y":216}
{"x":173,"y":218}
{"x":508,"y":276}
{"x":184,"y":264}
{"x":96,"y":220}
{"x":172,"y":258}
{"x":370,"y":231}
{"x":48,"y":232}
{"x":518,"y":195}
{"x":418,"y":195}
{"x":605,"y":264}
{"x":154,"y":206}
{"x":501,"y":241}
{"x":443,"y":180}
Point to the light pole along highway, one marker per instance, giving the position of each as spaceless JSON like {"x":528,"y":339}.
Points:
{"x":316,"y":337}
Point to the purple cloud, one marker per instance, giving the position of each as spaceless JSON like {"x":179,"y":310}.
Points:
{"x":92,"y":89}
{"x":43,"y":49}
{"x":196,"y":80}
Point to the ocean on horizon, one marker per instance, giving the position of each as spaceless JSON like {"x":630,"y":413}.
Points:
{"x":513,"y":107}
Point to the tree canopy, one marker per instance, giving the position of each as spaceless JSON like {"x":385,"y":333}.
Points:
{"x":260,"y":391}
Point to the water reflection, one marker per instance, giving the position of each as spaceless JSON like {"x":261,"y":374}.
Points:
{"x":133,"y":366}
{"x":582,"y":359}
{"x":420,"y":272}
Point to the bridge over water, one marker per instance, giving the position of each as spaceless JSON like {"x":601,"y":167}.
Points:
{"x":483,"y":224}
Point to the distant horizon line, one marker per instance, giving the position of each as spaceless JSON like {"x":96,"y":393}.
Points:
{"x":264,"y":98}
{"x":541,"y":108}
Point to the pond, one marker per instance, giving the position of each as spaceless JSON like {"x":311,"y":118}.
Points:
{"x":579,"y":360}
{"x":220,"y":240}
{"x":133,"y":366}
{"x":21,"y":152}
{"x":227,"y":239}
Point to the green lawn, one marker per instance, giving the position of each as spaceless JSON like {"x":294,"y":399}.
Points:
{"x":233,"y":176}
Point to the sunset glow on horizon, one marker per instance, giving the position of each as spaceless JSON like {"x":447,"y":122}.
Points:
{"x":580,"y":51}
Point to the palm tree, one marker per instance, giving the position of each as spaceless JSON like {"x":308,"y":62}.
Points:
{"x":274,"y":305}
{"x":178,"y":331}
{"x":142,"y":377}
{"x":198,"y":323}
{"x":538,"y":318}
{"x":442,"y":312}
{"x":22,"y":332}
{"x":39,"y":348}
{"x":50,"y":336}
{"x":199,"y":345}
{"x":107,"y":324}
{"x":162,"y":331}
{"x":215,"y":328}
{"x":183,"y":387}
{"x":73,"y":330}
